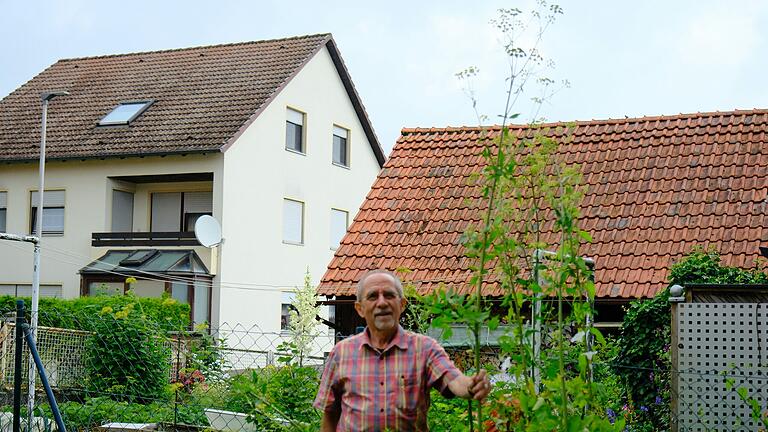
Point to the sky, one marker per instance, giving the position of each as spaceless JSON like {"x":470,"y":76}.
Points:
{"x":640,"y":58}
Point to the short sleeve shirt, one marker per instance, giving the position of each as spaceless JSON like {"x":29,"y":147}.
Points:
{"x":384,"y":390}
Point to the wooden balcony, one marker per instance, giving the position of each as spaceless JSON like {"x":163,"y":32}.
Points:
{"x":131,"y":239}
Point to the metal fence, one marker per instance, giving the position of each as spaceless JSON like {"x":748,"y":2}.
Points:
{"x":719,"y":355}
{"x":107,"y":379}
{"x":211,"y":378}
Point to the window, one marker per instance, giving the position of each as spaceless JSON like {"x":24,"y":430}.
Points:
{"x":3,"y":209}
{"x":106,"y":288}
{"x":124,"y":113}
{"x":294,"y":131}
{"x":25,"y":290}
{"x":196,"y":295}
{"x":53,"y":212}
{"x":285,"y":310}
{"x":331,"y":318}
{"x":122,"y":211}
{"x":178,"y":211}
{"x":293,"y":221}
{"x":340,"y":146}
{"x":339,"y":221}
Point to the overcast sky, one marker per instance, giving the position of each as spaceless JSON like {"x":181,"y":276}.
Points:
{"x":622,"y":58}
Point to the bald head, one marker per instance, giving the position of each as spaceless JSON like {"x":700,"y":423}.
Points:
{"x":395,"y":280}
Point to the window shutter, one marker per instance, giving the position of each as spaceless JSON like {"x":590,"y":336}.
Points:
{"x":122,"y":211}
{"x":295,"y":117}
{"x":166,"y":212}
{"x":340,"y":132}
{"x":50,"y":198}
{"x":293,"y":215}
{"x":339,"y":221}
{"x":198,"y":202}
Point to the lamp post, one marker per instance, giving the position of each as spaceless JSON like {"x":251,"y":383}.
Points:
{"x":45,"y":97}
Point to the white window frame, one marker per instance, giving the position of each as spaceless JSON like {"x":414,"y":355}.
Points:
{"x":141,"y":106}
{"x":342,"y":133}
{"x":332,"y":232}
{"x":47,"y":205}
{"x":297,"y":118}
{"x":287,"y":221}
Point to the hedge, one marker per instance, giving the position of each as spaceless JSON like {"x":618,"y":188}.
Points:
{"x":83,"y":313}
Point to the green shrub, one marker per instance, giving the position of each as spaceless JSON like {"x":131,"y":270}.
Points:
{"x":82,"y":313}
{"x":278,"y":399}
{"x":704,"y":267}
{"x":96,"y":411}
{"x":126,"y":357}
{"x":447,"y":414}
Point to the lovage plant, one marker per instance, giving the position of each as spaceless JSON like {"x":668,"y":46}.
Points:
{"x":527,"y":244}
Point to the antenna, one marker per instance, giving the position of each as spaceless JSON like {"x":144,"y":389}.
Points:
{"x":208,"y":231}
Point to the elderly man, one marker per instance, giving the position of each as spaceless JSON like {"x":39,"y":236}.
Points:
{"x":380,"y":379}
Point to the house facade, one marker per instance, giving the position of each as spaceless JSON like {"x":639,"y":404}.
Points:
{"x":268,"y":137}
{"x":656,"y":187}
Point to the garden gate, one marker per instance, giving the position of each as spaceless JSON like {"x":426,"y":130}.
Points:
{"x":719,"y":339}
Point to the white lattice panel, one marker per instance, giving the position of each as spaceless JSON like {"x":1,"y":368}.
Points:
{"x":719,"y":342}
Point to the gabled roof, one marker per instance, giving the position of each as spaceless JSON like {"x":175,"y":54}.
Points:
{"x":203,"y":98}
{"x":657,"y":187}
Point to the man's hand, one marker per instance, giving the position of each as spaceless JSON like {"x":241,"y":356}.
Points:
{"x":330,"y":421}
{"x":479,"y":386}
{"x":475,"y":387}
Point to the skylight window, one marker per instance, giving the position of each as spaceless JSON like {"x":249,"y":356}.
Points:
{"x":124,"y":113}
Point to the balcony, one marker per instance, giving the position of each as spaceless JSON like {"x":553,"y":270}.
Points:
{"x":134,"y":239}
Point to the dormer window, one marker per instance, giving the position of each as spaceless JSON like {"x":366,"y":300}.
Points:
{"x":125,"y":113}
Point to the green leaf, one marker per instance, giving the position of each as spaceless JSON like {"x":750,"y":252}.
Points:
{"x":493,"y":323}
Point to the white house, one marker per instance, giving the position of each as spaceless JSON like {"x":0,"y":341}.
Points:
{"x":269,"y":137}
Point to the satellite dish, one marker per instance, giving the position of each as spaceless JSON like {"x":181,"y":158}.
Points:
{"x":208,"y":231}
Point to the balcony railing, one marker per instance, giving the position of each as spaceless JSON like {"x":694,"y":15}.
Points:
{"x":129,"y":239}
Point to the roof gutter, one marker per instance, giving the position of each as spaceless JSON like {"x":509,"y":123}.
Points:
{"x":111,"y":156}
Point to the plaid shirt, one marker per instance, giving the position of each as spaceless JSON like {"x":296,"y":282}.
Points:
{"x":384,"y":390}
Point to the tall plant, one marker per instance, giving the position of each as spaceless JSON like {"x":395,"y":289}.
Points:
{"x":302,"y":325}
{"x":531,"y":206}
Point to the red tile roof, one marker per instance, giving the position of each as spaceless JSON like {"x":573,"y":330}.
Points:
{"x":203,"y":97}
{"x":656,"y":187}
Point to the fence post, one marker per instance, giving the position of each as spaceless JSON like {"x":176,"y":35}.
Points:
{"x":676,"y":295}
{"x":17,"y":366}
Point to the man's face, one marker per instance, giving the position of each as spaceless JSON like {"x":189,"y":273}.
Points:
{"x":381,"y":304}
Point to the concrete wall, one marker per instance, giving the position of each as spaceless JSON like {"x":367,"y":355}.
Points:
{"x":256,"y":266}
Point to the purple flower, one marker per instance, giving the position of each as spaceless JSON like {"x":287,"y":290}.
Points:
{"x":643,"y":408}
{"x":651,"y":376}
{"x":611,"y":415}
{"x":658,"y":400}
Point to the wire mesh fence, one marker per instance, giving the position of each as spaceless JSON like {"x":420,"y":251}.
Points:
{"x":129,"y":374}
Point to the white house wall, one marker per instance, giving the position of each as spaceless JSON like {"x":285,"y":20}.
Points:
{"x":256,"y":266}
{"x":88,"y":196}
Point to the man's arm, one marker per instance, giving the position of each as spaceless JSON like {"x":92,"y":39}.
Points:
{"x":330,"y":421}
{"x":475,"y":387}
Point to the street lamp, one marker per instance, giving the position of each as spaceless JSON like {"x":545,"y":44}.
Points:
{"x":45,"y":97}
